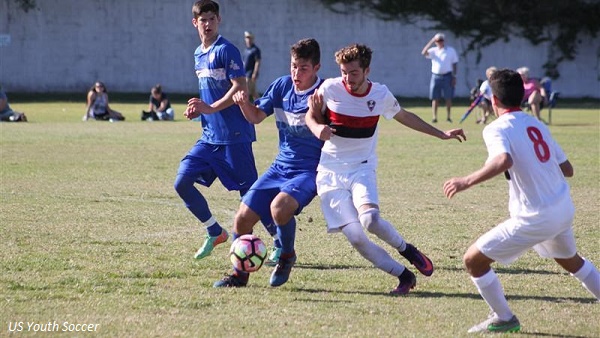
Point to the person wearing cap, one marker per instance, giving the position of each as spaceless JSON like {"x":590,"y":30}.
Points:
{"x":443,"y":73}
{"x":251,"y":64}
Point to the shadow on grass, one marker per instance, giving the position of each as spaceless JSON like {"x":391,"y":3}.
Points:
{"x":580,"y":300}
{"x":330,"y":266}
{"x":508,"y":271}
{"x":430,"y":294}
{"x":542,"y":334}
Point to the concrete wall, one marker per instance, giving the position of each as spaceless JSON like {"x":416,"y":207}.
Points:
{"x":66,"y":45}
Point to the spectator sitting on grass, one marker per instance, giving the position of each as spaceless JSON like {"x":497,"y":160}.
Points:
{"x":7,"y":114}
{"x":159,"y":106}
{"x":97,"y":105}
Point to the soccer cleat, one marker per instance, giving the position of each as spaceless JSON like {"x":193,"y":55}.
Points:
{"x":273,"y":257}
{"x":231,"y":281}
{"x":405,"y":285}
{"x":494,"y":324}
{"x":209,"y":244}
{"x":281,"y":274}
{"x":418,"y":259}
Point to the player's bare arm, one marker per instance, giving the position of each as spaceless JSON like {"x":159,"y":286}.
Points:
{"x":196,"y":106}
{"x":249,"y":110}
{"x":567,"y":168}
{"x":414,"y":122}
{"x":315,"y":119}
{"x":496,"y":166}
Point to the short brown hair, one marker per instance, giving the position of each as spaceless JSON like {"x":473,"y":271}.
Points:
{"x":355,"y":52}
{"x":205,"y":6}
{"x":307,"y":49}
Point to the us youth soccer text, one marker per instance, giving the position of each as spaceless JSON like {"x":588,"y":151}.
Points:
{"x":51,"y":327}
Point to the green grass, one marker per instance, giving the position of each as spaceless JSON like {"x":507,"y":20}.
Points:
{"x":93,"y":232}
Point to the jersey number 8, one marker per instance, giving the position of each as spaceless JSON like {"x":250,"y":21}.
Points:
{"x":542,"y":151}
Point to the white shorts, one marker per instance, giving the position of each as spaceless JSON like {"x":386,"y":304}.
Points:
{"x":550,"y":238}
{"x":342,"y":194}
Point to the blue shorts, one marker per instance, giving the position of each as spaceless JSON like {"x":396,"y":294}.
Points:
{"x":441,"y":86}
{"x":298,"y":183}
{"x":233,"y":164}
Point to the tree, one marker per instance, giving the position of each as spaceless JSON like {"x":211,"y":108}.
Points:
{"x":482,"y":23}
{"x":26,"y":5}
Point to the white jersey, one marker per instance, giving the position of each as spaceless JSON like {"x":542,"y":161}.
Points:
{"x":355,"y":120}
{"x":537,"y":185}
{"x":442,"y":59}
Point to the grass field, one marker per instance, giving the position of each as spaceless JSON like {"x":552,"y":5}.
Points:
{"x":93,"y":232}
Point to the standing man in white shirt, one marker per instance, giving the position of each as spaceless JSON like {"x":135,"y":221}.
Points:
{"x":443,"y":73}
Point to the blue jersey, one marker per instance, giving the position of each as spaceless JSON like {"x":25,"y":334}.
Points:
{"x":215,"y":68}
{"x":298,"y":147}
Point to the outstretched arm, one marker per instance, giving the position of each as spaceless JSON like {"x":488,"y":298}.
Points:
{"x":496,"y":166}
{"x":414,"y":122}
{"x":249,"y":110}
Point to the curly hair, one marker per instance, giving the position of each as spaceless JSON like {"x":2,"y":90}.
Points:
{"x":354,"y":52}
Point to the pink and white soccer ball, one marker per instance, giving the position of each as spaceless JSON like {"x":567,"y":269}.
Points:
{"x":247,"y":253}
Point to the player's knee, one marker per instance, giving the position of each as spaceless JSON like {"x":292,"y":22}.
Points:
{"x":355,"y":235}
{"x":243,"y":222}
{"x":370,"y":219}
{"x":469,"y":262}
{"x":182,"y":184}
{"x":357,"y":242}
{"x":282,"y":210}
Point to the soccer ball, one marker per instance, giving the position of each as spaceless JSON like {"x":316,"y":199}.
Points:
{"x":247,"y":253}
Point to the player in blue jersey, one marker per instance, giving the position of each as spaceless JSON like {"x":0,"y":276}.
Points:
{"x":290,"y":183}
{"x":225,"y":148}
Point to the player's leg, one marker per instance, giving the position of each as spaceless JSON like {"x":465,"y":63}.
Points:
{"x":379,"y":257}
{"x":195,"y":168}
{"x":341,"y":215}
{"x":365,"y":198}
{"x":485,"y":279}
{"x":254,"y":207}
{"x":244,"y":222}
{"x":564,"y":251}
{"x":584,"y":271}
{"x":239,"y":173}
{"x":503,"y":244}
{"x":283,"y":208}
{"x":298,"y":189}
{"x":372,"y":221}
{"x":265,"y":217}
